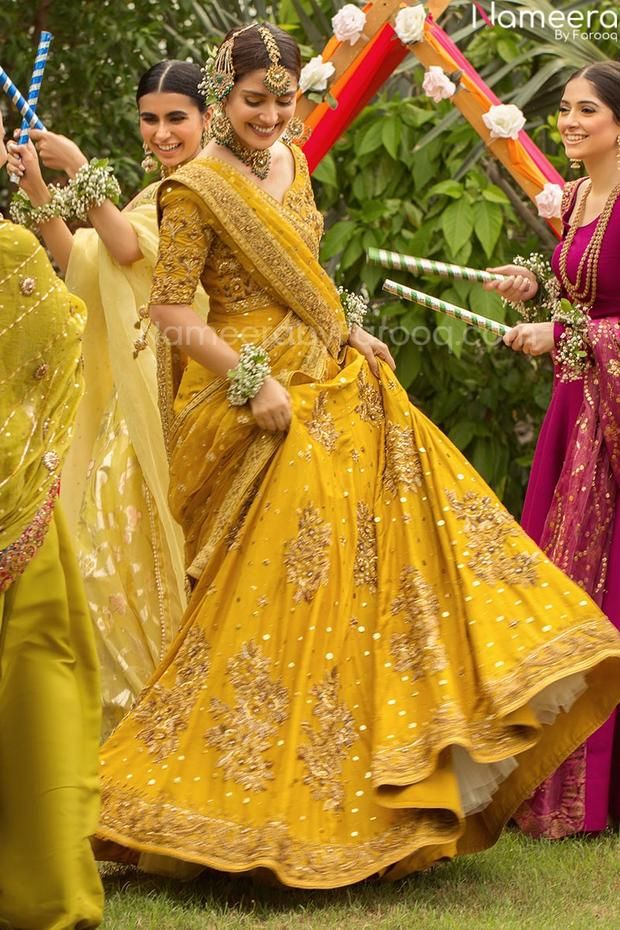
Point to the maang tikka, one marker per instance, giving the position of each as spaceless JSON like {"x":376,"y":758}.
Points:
{"x":218,"y":81}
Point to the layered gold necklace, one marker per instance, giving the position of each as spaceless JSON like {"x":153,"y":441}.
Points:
{"x":583,"y":291}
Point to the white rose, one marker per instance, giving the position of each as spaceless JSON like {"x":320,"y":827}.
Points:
{"x":549,"y":201}
{"x":316,"y":74}
{"x":505,"y":121}
{"x":348,"y":23}
{"x":409,"y":24}
{"x":437,"y":84}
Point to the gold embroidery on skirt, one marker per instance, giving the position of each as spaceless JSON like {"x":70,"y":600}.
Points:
{"x":165,"y":711}
{"x":365,"y":566}
{"x":489,"y":529}
{"x":419,"y":650}
{"x":245,"y":732}
{"x":402,"y":462}
{"x":328,"y":746}
{"x":370,"y":407}
{"x":321,"y":427}
{"x":307,"y":555}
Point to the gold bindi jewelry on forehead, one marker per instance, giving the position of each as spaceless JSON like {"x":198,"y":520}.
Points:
{"x":583,"y":291}
{"x":277,"y":80}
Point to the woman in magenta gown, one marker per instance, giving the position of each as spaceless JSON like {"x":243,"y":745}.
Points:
{"x":572,"y":502}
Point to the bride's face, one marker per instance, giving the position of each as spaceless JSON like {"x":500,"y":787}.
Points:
{"x":259,"y":118}
{"x":172,"y":126}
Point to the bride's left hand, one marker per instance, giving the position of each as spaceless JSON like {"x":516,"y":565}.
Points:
{"x":371,"y":348}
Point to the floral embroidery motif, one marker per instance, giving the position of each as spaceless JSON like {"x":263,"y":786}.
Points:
{"x":365,"y":566}
{"x":418,"y":650}
{"x":245,"y":732}
{"x":306,"y":557}
{"x":489,"y":528}
{"x":184,"y":245}
{"x":370,"y":407}
{"x":14,"y":559}
{"x":328,"y":745}
{"x":321,"y":426}
{"x":402,"y":462}
{"x":165,"y":711}
{"x":613,"y":368}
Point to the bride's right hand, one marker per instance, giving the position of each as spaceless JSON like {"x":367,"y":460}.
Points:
{"x":271,"y":407}
{"x":519,"y":283}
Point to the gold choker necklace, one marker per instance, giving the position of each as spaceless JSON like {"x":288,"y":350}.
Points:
{"x":257,"y":160}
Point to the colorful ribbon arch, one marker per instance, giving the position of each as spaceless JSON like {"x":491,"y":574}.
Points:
{"x":363,"y":68}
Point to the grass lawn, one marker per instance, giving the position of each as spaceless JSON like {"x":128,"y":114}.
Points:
{"x":519,"y":885}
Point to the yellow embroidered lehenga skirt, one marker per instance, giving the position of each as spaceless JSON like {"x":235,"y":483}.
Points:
{"x":376,"y":665}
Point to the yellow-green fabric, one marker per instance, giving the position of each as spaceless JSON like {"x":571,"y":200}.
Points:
{"x":115,"y":481}
{"x":49,"y":732}
{"x":41,"y":326}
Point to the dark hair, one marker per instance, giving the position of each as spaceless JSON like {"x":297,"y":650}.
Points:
{"x":250,"y":53}
{"x":172,"y":77}
{"x":605,"y":78}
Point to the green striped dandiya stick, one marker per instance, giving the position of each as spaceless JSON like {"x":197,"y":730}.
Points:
{"x":428,"y":266}
{"x":442,"y":306}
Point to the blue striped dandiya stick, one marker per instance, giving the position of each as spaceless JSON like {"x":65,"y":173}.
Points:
{"x":22,"y":105}
{"x":428,"y":266}
{"x":442,"y":306}
{"x":45,"y":40}
{"x":36,"y":80}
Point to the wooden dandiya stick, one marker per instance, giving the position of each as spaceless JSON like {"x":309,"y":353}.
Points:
{"x":45,"y":40}
{"x":442,"y":306}
{"x":389,"y":259}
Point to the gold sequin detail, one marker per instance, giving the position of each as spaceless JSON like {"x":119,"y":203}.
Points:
{"x":419,"y":650}
{"x":321,"y":426}
{"x":613,"y":368}
{"x":51,"y":460}
{"x":327,"y":746}
{"x":370,"y":407}
{"x":489,"y":528}
{"x":245,"y":732}
{"x":365,"y":566}
{"x":307,"y":555}
{"x":402,"y":462}
{"x":164,"y":710}
{"x":27,"y":286}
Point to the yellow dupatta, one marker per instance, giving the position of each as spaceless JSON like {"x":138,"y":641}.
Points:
{"x":40,"y":386}
{"x":273,"y":245}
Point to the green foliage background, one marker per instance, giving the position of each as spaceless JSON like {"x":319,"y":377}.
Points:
{"x":409,"y":175}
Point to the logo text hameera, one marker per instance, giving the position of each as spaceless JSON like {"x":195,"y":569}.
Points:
{"x":566,"y":24}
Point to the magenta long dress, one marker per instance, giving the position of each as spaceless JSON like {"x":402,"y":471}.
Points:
{"x":585,"y":791}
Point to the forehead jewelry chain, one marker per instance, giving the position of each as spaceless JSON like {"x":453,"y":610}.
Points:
{"x":277,"y":80}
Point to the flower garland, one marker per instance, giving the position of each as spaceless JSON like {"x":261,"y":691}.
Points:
{"x":250,"y":374}
{"x":93,"y":184}
{"x":571,"y":351}
{"x":355,"y":307}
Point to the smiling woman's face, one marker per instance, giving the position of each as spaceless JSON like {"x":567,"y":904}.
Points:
{"x":259,"y":118}
{"x":171,"y":125}
{"x":587,"y":125}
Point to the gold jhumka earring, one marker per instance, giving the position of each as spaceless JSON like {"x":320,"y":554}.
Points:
{"x":575,"y":164}
{"x":149,"y":163}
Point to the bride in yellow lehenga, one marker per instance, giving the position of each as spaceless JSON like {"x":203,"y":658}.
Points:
{"x":115,"y":480}
{"x":376,"y":665}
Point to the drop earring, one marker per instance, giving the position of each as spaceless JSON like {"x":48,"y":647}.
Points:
{"x":149,"y":162}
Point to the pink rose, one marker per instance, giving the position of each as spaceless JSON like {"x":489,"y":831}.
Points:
{"x":549,"y":201}
{"x":437,"y":84}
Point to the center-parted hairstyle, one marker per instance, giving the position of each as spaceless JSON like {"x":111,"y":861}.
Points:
{"x":172,"y":77}
{"x":605,"y":78}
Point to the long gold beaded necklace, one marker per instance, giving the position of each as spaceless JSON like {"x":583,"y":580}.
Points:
{"x":584,"y":292}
